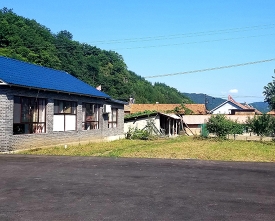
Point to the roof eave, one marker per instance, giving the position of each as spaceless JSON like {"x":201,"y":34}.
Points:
{"x":118,"y":101}
{"x":2,"y":82}
{"x":211,"y":111}
{"x":64,"y":92}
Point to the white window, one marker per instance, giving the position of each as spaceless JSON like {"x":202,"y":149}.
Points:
{"x":64,"y":115}
{"x":112,"y":123}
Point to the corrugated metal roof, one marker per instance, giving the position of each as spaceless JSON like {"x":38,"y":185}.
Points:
{"x":19,"y":73}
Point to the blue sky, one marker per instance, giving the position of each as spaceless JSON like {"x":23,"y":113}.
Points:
{"x":166,"y":37}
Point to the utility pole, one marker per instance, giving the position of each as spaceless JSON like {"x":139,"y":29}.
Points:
{"x":205,"y":101}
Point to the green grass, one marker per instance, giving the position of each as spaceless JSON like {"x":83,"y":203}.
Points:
{"x":177,"y":148}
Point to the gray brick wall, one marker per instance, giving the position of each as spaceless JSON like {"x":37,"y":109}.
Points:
{"x":9,"y":142}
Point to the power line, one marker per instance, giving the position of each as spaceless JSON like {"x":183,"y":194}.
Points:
{"x":195,"y":42}
{"x":226,"y":96}
{"x":235,"y":96}
{"x":79,"y":48}
{"x":212,"y":69}
{"x":163,"y":37}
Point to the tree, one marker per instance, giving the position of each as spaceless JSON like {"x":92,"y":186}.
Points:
{"x":65,"y":34}
{"x":269,"y":92}
{"x":262,"y":125}
{"x":219,"y":125}
{"x":236,"y":128}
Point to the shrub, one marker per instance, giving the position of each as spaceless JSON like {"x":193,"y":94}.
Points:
{"x":263,"y":125}
{"x":221,"y":126}
{"x":137,"y":134}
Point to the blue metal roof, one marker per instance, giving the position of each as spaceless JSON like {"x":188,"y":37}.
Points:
{"x":19,"y":73}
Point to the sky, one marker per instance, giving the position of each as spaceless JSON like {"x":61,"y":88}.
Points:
{"x":178,"y":36}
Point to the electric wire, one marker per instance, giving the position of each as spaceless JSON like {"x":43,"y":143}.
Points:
{"x":192,"y":34}
{"x":79,"y":48}
{"x":165,"y":37}
{"x":195,"y":42}
{"x":212,"y":69}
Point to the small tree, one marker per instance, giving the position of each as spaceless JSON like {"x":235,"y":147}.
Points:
{"x":272,"y":125}
{"x":219,"y":125}
{"x":269,"y":92}
{"x":262,"y":125}
{"x":236,"y":128}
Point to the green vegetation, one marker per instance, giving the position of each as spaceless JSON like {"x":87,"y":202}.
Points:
{"x":182,"y":147}
{"x":141,"y":113}
{"x":263,"y":125}
{"x":149,"y":132}
{"x":269,"y":92}
{"x":220,"y":126}
{"x":137,"y":134}
{"x":27,"y":40}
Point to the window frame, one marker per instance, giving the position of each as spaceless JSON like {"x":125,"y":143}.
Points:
{"x":73,"y":107}
{"x":29,"y":108}
{"x":112,"y":123}
{"x":61,"y":110}
{"x":90,"y":124}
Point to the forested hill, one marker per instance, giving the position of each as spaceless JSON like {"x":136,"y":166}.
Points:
{"x":27,"y":40}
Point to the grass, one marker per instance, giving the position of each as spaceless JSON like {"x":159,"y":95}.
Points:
{"x":177,"y":148}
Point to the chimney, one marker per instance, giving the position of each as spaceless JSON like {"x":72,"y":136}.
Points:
{"x":131,"y":100}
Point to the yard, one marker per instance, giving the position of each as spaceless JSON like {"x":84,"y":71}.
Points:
{"x":182,"y":147}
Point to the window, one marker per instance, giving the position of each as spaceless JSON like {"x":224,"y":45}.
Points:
{"x":64,"y":115}
{"x":112,"y":118}
{"x":29,"y":115}
{"x":90,"y":114}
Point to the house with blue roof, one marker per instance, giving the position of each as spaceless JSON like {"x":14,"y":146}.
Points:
{"x":41,"y":106}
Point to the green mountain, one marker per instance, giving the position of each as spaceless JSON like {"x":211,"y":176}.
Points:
{"x":27,"y":40}
{"x":261,"y":106}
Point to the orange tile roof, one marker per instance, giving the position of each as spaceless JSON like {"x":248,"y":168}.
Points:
{"x":127,"y":108}
{"x":195,"y":108}
{"x":243,"y":106}
{"x":271,"y":112}
{"x":237,"y":103}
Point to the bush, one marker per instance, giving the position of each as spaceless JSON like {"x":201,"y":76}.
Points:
{"x":137,"y":134}
{"x":221,"y":126}
{"x":263,"y":125}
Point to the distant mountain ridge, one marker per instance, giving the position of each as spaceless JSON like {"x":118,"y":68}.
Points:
{"x":209,"y":101}
{"x":261,"y":106}
{"x":212,"y":102}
